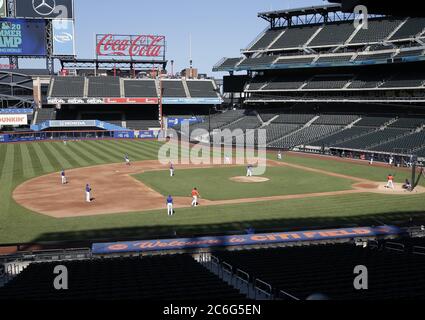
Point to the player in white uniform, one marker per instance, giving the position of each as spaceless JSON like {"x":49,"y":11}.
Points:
{"x":63,"y":177}
{"x":127,"y":160}
{"x":249,"y":170}
{"x":171,"y":169}
{"x":279,"y":155}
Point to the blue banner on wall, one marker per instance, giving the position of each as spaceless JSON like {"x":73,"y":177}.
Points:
{"x":207,"y":101}
{"x":22,"y":37}
{"x":63,"y":37}
{"x":148,"y":134}
{"x":15,"y":111}
{"x":242,"y":240}
{"x":4,"y":138}
{"x":124,"y":135}
{"x":172,"y":122}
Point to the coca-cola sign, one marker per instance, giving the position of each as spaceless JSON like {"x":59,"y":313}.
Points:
{"x":134,"y":46}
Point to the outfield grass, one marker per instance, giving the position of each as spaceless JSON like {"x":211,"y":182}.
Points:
{"x":215,"y":184}
{"x":20,"y":162}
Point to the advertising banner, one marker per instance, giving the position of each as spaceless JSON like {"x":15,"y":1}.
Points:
{"x":46,"y":9}
{"x":22,"y":37}
{"x":148,"y":134}
{"x":172,"y":122}
{"x":13,"y":119}
{"x":130,"y":100}
{"x":3,"y":8}
{"x":15,"y":111}
{"x":210,"y":101}
{"x":242,"y":240}
{"x":134,"y":46}
{"x":72,"y":123}
{"x":4,"y":138}
{"x":63,"y":37}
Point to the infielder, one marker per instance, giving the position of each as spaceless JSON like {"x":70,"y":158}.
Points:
{"x":249,"y":170}
{"x":171,"y":169}
{"x":279,"y":155}
{"x":63,"y":177}
{"x":195,"y":196}
{"x":127,"y":160}
{"x":390,"y":183}
{"x":170,"y":205}
{"x":88,"y":193}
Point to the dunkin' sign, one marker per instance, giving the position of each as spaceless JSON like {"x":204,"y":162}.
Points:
{"x":13,"y":119}
{"x":134,"y":46}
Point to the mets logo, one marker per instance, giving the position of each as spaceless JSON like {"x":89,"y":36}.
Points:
{"x":44,"y":7}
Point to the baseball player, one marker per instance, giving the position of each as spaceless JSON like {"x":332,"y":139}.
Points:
{"x":390,"y":183}
{"x":279,"y":155}
{"x":127,"y":160}
{"x":227,"y":160}
{"x":372,"y":159}
{"x":170,"y":205}
{"x":88,"y":193}
{"x":63,"y":177}
{"x":171,"y":169}
{"x":249,"y":170}
{"x":195,"y":197}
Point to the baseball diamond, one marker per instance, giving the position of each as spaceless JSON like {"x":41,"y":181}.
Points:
{"x":133,"y":197}
{"x":165,"y":152}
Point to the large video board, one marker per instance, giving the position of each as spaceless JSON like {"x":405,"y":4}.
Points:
{"x":22,"y":37}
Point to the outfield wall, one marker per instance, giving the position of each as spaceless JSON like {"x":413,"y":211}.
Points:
{"x":77,"y":135}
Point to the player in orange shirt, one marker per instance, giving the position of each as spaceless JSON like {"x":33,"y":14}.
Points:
{"x":195,"y":196}
{"x":390,"y":183}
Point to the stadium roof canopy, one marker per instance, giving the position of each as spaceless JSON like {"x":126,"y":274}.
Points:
{"x":289,"y":13}
{"x":407,"y":8}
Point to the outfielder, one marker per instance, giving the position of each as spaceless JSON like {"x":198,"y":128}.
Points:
{"x":88,"y":193}
{"x":63,"y":177}
{"x":171,"y":169}
{"x":390,"y":183}
{"x":170,"y":205}
{"x":195,"y":196}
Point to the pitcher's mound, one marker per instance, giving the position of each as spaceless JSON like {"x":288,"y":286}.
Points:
{"x":380,"y":188}
{"x":249,"y":179}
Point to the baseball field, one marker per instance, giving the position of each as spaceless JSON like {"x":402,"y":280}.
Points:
{"x":129,"y":201}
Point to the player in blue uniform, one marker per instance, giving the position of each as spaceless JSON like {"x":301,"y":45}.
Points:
{"x":170,"y":205}
{"x":88,"y":193}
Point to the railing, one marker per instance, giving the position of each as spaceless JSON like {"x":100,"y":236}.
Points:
{"x":244,"y":278}
{"x":287,"y":295}
{"x":228,"y":270}
{"x":419,"y":250}
{"x":394,"y":246}
{"x":265,"y":286}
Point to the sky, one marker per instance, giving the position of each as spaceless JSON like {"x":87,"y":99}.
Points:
{"x":218,"y":28}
